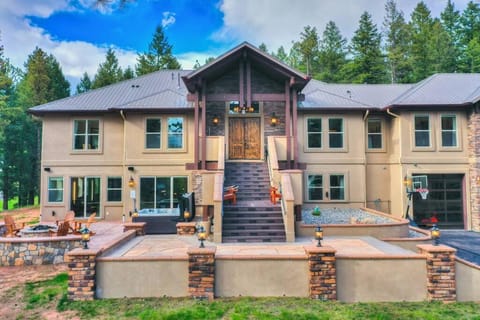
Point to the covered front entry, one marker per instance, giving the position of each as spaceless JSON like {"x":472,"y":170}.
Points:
{"x":444,"y":201}
{"x":244,"y":138}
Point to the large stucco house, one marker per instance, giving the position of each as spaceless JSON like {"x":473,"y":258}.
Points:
{"x":141,"y":143}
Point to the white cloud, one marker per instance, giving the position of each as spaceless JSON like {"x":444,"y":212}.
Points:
{"x":188,"y":59}
{"x":20,"y":38}
{"x":168,"y":19}
{"x":279,"y":22}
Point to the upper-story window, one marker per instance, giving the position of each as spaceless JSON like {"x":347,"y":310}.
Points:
{"x":374,"y":134}
{"x":153,"y":133}
{"x":314,"y":132}
{"x":86,"y":134}
{"x":449,"y":131}
{"x":175,"y":133}
{"x":422,"y":131}
{"x":335,"y":133}
{"x":55,"y":189}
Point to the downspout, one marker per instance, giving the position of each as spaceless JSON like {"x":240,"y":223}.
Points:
{"x":365,"y":116}
{"x":124,"y":158}
{"x":392,"y":114}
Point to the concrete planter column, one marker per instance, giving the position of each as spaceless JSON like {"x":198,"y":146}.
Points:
{"x":201,"y":272}
{"x":323,"y":272}
{"x":441,"y":285}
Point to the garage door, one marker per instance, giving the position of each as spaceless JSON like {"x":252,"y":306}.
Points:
{"x":445,"y":201}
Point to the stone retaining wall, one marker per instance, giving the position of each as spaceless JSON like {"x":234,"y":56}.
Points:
{"x":36,"y":251}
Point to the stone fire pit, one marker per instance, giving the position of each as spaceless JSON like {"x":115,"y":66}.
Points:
{"x":40,"y":230}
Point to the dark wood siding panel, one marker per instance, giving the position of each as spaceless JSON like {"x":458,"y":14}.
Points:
{"x":263,"y":83}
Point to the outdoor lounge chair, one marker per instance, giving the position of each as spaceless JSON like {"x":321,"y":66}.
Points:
{"x":12,"y":228}
{"x":70,"y":218}
{"x":230,"y":194}
{"x":91,"y":219}
{"x":62,"y":230}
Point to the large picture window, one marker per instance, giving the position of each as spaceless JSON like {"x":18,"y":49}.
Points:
{"x":153,"y":133}
{"x":449,"y":131}
{"x":86,"y":134}
{"x":114,"y":189}
{"x":335,"y":133}
{"x":161,"y":192}
{"x":422,"y":131}
{"x":374,"y":134}
{"x":55,"y":189}
{"x":314,"y":132}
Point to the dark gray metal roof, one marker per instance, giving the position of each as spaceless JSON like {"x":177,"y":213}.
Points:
{"x":158,"y":90}
{"x":365,"y":95}
{"x":443,"y":89}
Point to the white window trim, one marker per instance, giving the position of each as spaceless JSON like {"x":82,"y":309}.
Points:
{"x":336,"y":133}
{"x":326,"y":187}
{"x":382,"y":135}
{"x":48,"y":189}
{"x":458,"y":147}
{"x":322,"y":134}
{"x":164,"y":135}
{"x":431,"y":130}
{"x":326,"y":134}
{"x":99,"y":150}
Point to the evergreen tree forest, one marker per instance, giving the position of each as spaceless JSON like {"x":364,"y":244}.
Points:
{"x":403,"y":49}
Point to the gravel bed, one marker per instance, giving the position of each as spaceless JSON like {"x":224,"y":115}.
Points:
{"x":342,"y":216}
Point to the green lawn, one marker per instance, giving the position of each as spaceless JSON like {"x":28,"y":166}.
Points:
{"x":13,"y":203}
{"x":41,"y":296}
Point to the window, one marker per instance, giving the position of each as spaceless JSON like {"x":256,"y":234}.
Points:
{"x":161,"y":192}
{"x":449,"y":130}
{"x":314,"y":132}
{"x":337,"y":187}
{"x":86,"y":134}
{"x":374,"y":134}
{"x":55,"y":189}
{"x":175,"y":133}
{"x":315,"y":187}
{"x":335,"y":133}
{"x":153,"y":134}
{"x":422,"y":131}
{"x":114,"y":189}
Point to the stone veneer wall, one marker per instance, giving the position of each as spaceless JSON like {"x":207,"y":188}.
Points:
{"x":323,"y":272}
{"x":36,"y":251}
{"x":474,"y":154}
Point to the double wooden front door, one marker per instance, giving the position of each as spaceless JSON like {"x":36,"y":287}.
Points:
{"x":244,"y":138}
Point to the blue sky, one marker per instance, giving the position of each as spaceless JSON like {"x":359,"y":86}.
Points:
{"x":78,"y":33}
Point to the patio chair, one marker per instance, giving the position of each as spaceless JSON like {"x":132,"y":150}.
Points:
{"x":12,"y":228}
{"x":91,"y":219}
{"x":70,"y":218}
{"x":274,"y":195}
{"x":230,"y":195}
{"x":62,"y":230}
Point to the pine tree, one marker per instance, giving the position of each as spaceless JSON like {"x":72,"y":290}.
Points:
{"x":281,"y":54}
{"x":450,"y":21}
{"x":159,"y":55}
{"x":85,"y":84}
{"x":472,"y":54}
{"x":108,"y":72}
{"x":421,"y":26}
{"x":263,"y":47}
{"x":367,"y":65}
{"x":128,"y":73}
{"x":332,"y":53}
{"x":396,"y":44}
{"x":308,"y":47}
{"x":443,"y":51}
{"x":469,"y":30}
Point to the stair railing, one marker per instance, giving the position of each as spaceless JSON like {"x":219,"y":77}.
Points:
{"x":288,"y":206}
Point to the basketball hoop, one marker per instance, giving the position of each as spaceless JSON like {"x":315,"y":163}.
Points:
{"x":423,"y":193}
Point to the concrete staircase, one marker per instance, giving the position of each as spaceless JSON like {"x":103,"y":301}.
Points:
{"x":253,"y":218}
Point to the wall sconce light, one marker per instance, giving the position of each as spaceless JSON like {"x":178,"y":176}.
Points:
{"x":131,"y":183}
{"x":202,"y":235}
{"x":319,"y":235}
{"x":53,"y":213}
{"x":215,"y":120}
{"x":274,"y":120}
{"x":435,"y":234}
{"x":186,"y":215}
{"x":47,"y":169}
{"x":131,"y":169}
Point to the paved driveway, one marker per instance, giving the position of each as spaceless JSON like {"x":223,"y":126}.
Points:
{"x":467,"y":244}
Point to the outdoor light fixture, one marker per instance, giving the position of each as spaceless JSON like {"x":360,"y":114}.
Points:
{"x":131,"y":183}
{"x":47,"y":169}
{"x":202,"y":235}
{"x":85,"y":237}
{"x":274,"y":120}
{"x":135,"y":213}
{"x":319,"y":235}
{"x":215,"y":120}
{"x":186,"y":215}
{"x":435,"y":234}
{"x":131,"y":169}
